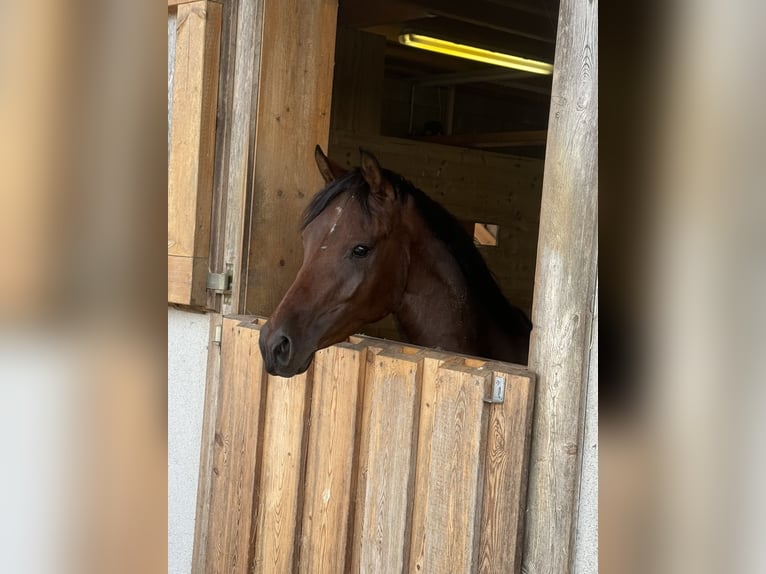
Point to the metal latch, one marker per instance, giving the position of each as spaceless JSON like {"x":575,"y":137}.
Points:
{"x":220,"y":282}
{"x":498,"y":392}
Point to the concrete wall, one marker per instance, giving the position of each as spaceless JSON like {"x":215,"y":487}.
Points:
{"x":187,"y":358}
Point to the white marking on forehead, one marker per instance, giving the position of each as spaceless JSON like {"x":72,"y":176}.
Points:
{"x":323,"y":247}
{"x":332,"y":229}
{"x":338,"y":209}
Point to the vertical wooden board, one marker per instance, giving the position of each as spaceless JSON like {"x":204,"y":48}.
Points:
{"x":505,"y":476}
{"x":236,"y":450}
{"x":422,"y":468}
{"x":338,"y":374}
{"x":562,"y":311}
{"x":207,"y":449}
{"x":453,"y":500}
{"x":279,"y":496}
{"x":294,"y":96}
{"x":387,"y":463}
{"x":190,"y":165}
{"x":172,"y":19}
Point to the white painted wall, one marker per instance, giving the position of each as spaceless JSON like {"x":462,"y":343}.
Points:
{"x":187,"y":363}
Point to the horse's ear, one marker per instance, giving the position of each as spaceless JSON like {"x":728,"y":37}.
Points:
{"x":373,"y":174}
{"x":328,"y":168}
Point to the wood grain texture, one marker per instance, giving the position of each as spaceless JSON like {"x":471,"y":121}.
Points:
{"x":338,"y":378}
{"x":190,"y":163}
{"x":453,"y":498}
{"x":357,"y":96}
{"x":564,"y":287}
{"x":235,"y":141}
{"x":280,"y":495}
{"x":428,"y":407}
{"x":386,"y":470}
{"x":172,"y":18}
{"x":186,"y":280}
{"x":381,"y":458}
{"x":236,"y":452}
{"x":293,"y":115}
{"x":505,"y":478}
{"x":207,"y":449}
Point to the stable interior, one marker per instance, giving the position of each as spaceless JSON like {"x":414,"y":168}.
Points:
{"x":470,"y":134}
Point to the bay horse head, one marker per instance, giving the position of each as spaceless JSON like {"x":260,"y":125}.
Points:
{"x":354,"y":270}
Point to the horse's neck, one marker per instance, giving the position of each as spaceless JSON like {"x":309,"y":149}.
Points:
{"x":436,"y":309}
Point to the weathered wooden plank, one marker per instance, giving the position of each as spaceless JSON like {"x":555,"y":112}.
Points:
{"x":423,"y":462}
{"x":338,"y":376}
{"x":207,"y":449}
{"x":172,"y":19}
{"x":505,"y":478}
{"x":454,"y":491}
{"x":190,"y":163}
{"x":293,"y":116}
{"x":174,"y":3}
{"x":386,"y":470}
{"x":235,"y":135}
{"x":186,"y":280}
{"x":235,"y":467}
{"x":564,"y":287}
{"x":280,"y":495}
{"x":357,"y":97}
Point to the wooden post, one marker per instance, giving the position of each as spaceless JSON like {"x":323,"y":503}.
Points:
{"x":564,"y":292}
{"x":192,"y":144}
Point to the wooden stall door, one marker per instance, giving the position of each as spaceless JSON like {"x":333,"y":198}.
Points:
{"x":380,"y":458}
{"x":194,"y":36}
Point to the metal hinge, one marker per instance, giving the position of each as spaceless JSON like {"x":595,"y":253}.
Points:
{"x":220,"y":282}
{"x":217,"y":336}
{"x":498,"y":392}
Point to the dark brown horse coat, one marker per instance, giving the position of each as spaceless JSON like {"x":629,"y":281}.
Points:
{"x":374,"y":245}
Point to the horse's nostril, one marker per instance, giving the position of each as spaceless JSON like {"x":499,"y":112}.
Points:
{"x":282,"y":350}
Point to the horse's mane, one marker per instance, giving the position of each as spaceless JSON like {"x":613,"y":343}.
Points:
{"x":481,"y":283}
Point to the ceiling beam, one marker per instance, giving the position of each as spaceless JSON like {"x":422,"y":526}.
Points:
{"x":472,"y":77}
{"x":498,"y":17}
{"x":491,"y":140}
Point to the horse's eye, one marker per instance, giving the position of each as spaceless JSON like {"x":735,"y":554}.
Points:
{"x":360,"y":251}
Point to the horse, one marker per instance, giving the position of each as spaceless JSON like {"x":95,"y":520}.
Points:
{"x":376,"y":245}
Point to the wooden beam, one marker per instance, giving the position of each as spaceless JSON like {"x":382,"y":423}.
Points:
{"x":238,"y":97}
{"x":490,"y":140}
{"x":495,"y":16}
{"x":453,"y":79}
{"x":192,"y":139}
{"x":363,"y":13}
{"x":172,"y":3}
{"x":564,"y":292}
{"x":481,"y":37}
{"x":294,"y":98}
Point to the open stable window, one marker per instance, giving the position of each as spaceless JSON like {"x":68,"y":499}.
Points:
{"x":194,"y":33}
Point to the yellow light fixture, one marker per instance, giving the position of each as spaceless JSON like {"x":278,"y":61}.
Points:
{"x":472,"y":53}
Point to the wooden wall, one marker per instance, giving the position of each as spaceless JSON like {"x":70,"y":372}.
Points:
{"x":192,"y":100}
{"x":475,"y":186}
{"x":381,"y":458}
{"x":294,"y":88}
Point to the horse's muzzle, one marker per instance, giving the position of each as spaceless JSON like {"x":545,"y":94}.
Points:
{"x":279,"y":356}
